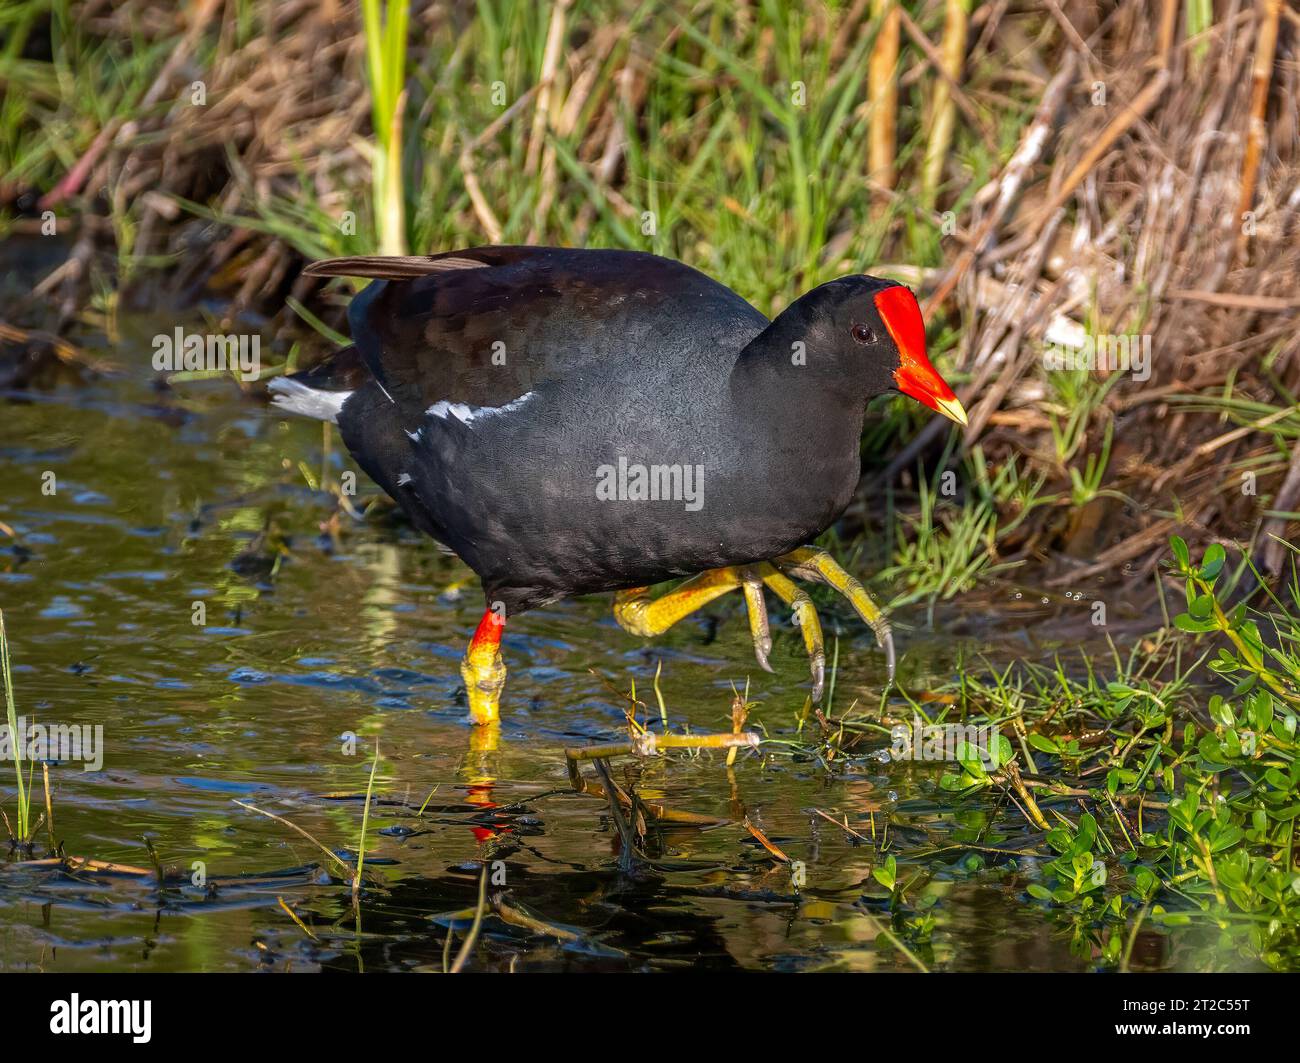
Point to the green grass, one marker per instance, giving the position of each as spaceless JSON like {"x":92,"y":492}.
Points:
{"x":385,"y":68}
{"x":951,"y":542}
{"x":365,"y":828}
{"x":24,"y":832}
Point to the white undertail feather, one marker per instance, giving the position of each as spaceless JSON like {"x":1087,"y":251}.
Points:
{"x":297,"y":397}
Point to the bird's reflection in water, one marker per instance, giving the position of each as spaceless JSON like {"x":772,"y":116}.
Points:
{"x":479,"y":772}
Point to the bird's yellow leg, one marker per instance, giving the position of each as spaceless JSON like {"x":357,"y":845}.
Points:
{"x":810,"y":563}
{"x":483,"y":670}
{"x":806,"y":617}
{"x":638,"y":615}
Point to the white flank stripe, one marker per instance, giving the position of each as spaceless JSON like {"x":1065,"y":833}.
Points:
{"x":467,"y":414}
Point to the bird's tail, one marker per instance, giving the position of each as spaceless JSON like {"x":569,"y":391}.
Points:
{"x":321,"y":391}
{"x":391,"y":267}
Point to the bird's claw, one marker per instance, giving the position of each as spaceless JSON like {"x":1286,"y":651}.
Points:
{"x":818,"y":566}
{"x":805,"y":618}
{"x":885,"y":639}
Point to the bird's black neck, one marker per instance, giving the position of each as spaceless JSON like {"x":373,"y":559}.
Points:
{"x":782,"y":384}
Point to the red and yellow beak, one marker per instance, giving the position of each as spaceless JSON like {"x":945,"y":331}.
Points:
{"x":915,"y":376}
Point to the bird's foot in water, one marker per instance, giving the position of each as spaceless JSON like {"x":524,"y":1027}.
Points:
{"x":483,"y":670}
{"x":818,"y":566}
{"x":638,"y":614}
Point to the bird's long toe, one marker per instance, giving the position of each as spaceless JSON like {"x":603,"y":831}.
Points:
{"x":759,"y":629}
{"x":805,"y":617}
{"x":818,"y":566}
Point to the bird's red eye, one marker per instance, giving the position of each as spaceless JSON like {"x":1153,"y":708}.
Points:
{"x":863,"y":334}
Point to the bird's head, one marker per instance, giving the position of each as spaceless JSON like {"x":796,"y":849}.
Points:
{"x":869,"y":331}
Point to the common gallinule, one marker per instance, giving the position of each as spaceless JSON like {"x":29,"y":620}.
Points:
{"x":575,"y":421}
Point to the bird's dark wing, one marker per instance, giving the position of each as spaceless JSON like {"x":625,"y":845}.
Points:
{"x":486,"y":325}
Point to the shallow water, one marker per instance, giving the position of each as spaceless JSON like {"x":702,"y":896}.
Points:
{"x":159,"y":501}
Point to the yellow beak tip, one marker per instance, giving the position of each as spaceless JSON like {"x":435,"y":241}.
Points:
{"x":953,"y":410}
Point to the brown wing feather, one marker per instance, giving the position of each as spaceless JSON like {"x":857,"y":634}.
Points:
{"x":431,"y":328}
{"x":390,"y":267}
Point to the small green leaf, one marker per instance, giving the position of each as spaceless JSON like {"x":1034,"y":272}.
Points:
{"x":887,"y":875}
{"x":971,"y":758}
{"x":1059,"y":839}
{"x":1245,"y":686}
{"x":1261,"y":709}
{"x":1213,"y":563}
{"x":1230,"y":836}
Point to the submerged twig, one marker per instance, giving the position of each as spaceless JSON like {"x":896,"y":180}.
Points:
{"x":365,"y":824}
{"x":765,"y":842}
{"x":343,"y":865}
{"x":294,"y":916}
{"x":647,"y":744}
{"x":467,"y":947}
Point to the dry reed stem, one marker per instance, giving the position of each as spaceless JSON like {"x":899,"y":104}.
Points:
{"x":1269,"y":11}
{"x":766,"y":842}
{"x":882,"y":93}
{"x":471,"y":939}
{"x":1168,"y":24}
{"x":550,"y":60}
{"x":1028,"y":152}
{"x":294,"y":827}
{"x":947,"y":75}
{"x":943,"y":113}
{"x":1117,"y":127}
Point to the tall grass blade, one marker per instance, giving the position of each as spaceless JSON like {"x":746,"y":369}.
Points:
{"x":16,"y":739}
{"x":386,"y":33}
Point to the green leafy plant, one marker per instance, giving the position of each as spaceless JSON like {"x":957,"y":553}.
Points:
{"x":978,"y":765}
{"x":1276,"y":666}
{"x":887,"y":873}
{"x":1077,"y":874}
